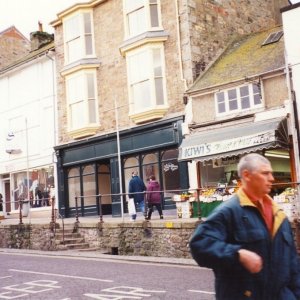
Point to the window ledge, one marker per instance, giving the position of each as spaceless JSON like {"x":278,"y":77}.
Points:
{"x":83,"y":132}
{"x":86,"y":63}
{"x":149,"y":115}
{"x":142,"y":39}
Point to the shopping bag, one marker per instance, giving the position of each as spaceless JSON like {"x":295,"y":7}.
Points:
{"x":131,"y":206}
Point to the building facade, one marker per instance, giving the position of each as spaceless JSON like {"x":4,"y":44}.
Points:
{"x":249,"y":111}
{"x":28,"y":91}
{"x":123,"y":68}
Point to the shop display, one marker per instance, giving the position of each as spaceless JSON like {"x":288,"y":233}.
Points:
{"x":288,"y":201}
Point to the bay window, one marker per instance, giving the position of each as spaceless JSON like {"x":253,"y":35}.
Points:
{"x":78,"y":37}
{"x":146,"y":78}
{"x":82,"y":99}
{"x":141,"y":16}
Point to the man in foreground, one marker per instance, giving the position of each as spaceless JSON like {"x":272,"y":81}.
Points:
{"x":248,"y":241}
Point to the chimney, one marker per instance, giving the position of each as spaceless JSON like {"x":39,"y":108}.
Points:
{"x":40,"y":38}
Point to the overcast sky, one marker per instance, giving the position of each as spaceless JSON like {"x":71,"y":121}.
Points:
{"x":25,"y":14}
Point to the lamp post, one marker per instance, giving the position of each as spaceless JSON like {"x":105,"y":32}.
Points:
{"x":119,"y":158}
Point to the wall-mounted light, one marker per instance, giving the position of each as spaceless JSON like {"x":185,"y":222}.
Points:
{"x":277,"y":153}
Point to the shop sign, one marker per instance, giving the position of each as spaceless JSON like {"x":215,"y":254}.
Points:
{"x":170,"y":167}
{"x":225,"y":161}
{"x":224,"y":146}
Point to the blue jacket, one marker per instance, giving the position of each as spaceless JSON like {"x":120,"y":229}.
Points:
{"x":136,"y":184}
{"x":237,"y":224}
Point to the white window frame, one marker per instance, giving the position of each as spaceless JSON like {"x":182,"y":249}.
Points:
{"x":81,"y":51}
{"x":145,"y":4}
{"x":148,"y":51}
{"x":82,"y":77}
{"x":239,"y":108}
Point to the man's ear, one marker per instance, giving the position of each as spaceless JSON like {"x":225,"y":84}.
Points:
{"x":246,"y":175}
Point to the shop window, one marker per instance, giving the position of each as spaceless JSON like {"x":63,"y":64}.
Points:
{"x":141,"y":16}
{"x":150,"y":166}
{"x":130,"y":164}
{"x":73,"y":185}
{"x":170,"y":171}
{"x":78,"y":36}
{"x":146,"y":76}
{"x":238,"y":99}
{"x":89,"y":185}
{"x":82,"y":100}
{"x":36,"y":185}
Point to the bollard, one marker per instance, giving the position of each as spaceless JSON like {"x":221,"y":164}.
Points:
{"x":20,"y":211}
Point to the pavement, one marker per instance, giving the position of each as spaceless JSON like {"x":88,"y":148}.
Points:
{"x":45,"y":218}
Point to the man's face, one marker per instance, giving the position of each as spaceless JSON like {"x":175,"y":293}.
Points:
{"x":260,"y":181}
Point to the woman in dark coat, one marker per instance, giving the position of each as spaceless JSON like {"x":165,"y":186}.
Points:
{"x":153,"y":197}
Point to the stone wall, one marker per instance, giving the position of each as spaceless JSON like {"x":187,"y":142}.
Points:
{"x":165,"y":239}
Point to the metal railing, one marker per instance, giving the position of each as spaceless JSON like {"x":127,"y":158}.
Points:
{"x":194,"y":192}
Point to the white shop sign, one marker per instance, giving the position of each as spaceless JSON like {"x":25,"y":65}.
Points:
{"x":224,"y":146}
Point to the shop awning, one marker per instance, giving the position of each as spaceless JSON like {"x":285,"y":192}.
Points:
{"x":235,"y":140}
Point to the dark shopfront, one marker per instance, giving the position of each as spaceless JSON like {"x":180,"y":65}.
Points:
{"x":90,"y":167}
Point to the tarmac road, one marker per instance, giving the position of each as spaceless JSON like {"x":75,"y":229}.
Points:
{"x":70,"y":275}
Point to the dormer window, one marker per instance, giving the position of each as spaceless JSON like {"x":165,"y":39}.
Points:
{"x":78,"y":36}
{"x":141,"y":16}
{"x":238,"y":99}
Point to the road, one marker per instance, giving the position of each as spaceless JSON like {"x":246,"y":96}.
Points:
{"x":42,"y":276}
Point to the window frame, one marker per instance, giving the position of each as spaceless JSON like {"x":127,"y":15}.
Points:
{"x":82,"y":76}
{"x":239,"y":98}
{"x":149,"y":50}
{"x":146,"y":4}
{"x":81,"y":35}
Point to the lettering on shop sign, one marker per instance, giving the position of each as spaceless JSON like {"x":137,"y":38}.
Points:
{"x":228,"y":145}
{"x":123,"y":292}
{"x":170,"y":167}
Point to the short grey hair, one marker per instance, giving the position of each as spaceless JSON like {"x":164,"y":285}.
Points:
{"x":251,"y":162}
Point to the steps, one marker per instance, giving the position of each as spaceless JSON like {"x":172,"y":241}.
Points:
{"x":67,"y":239}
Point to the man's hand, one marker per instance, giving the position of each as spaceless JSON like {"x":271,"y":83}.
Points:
{"x":250,"y":260}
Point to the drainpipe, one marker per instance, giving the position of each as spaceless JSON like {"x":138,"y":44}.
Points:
{"x":54,"y":125}
{"x":179,"y":45}
{"x":295,"y":117}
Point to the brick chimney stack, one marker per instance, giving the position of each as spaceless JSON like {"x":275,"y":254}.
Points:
{"x":40,"y":38}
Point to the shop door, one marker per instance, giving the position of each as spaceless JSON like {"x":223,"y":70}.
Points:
{"x":115,"y":188}
{"x":7,"y":197}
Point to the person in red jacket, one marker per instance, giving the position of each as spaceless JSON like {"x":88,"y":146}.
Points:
{"x":153,"y":197}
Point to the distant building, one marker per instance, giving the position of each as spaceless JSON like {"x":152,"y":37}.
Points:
{"x":13,"y":45}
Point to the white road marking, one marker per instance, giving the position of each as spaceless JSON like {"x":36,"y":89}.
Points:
{"x":123,"y":292}
{"x":5,"y":277}
{"x":61,"y":275}
{"x":202,"y":292}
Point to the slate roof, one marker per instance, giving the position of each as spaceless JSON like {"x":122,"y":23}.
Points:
{"x":245,"y":57}
{"x":30,"y":56}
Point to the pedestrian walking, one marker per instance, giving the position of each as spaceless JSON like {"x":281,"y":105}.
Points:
{"x":248,"y":241}
{"x":136,"y":191}
{"x":153,"y":197}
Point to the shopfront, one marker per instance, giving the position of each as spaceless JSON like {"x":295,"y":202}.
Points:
{"x":217,"y":152}
{"x":90,"y":168}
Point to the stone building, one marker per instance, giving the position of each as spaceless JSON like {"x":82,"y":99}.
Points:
{"x":123,"y":69}
{"x":242,"y":104}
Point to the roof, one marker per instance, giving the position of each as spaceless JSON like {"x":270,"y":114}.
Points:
{"x":244,"y":58}
{"x":30,"y":56}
